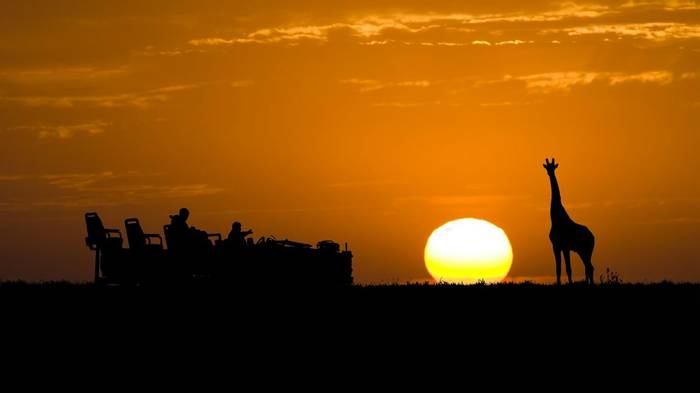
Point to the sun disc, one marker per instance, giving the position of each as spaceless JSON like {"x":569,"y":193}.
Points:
{"x":468,"y":250}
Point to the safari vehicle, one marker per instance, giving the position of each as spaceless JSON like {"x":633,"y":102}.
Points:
{"x":150,"y":260}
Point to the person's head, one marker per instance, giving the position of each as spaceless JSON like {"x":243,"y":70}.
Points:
{"x":184,"y":213}
{"x":236,"y":226}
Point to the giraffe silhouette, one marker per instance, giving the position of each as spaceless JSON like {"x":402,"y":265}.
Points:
{"x":566,"y":235}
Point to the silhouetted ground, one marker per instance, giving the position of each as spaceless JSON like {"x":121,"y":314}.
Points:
{"x":420,"y":300}
{"x":355,"y":331}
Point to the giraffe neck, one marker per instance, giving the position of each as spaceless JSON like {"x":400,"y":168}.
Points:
{"x":556,"y":210}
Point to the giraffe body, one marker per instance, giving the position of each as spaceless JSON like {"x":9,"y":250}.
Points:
{"x":565,"y":234}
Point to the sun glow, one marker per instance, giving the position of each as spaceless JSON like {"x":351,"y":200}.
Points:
{"x":468,"y":250}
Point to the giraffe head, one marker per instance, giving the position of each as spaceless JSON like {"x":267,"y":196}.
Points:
{"x":550,"y":166}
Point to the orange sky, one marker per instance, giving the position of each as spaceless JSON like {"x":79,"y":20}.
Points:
{"x":368,"y":122}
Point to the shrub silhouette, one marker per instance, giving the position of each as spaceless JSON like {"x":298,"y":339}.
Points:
{"x":611,"y":277}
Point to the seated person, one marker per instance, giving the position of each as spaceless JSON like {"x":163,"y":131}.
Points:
{"x":183,"y":233}
{"x":178,"y":222}
{"x":237,"y":237}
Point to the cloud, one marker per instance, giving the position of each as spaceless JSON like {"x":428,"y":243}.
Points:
{"x":400,"y":104}
{"x":555,"y":81}
{"x":365,"y":28}
{"x":83,"y":190}
{"x":122,"y":183}
{"x":370,"y":27}
{"x":368,"y":85}
{"x":118,"y":195}
{"x":152,"y":51}
{"x":514,"y":42}
{"x":66,"y":74}
{"x":653,"y":31}
{"x":659,"y":77}
{"x":551,"y":82}
{"x":211,"y":42}
{"x":421,"y":83}
{"x":82,"y":181}
{"x":505,"y":104}
{"x":668,"y":5}
{"x":109,"y":183}
{"x":66,"y":131}
{"x":381,"y":42}
{"x":566,"y":10}
{"x":242,"y":83}
{"x":11,"y":177}
{"x":542,"y":83}
{"x":142,"y":99}
{"x":499,"y":43}
{"x":376,"y":29}
{"x":364,"y":85}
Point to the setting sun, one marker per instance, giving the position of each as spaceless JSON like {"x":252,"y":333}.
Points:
{"x":468,"y":250}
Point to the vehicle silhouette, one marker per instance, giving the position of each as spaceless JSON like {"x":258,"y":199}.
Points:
{"x":185,"y":254}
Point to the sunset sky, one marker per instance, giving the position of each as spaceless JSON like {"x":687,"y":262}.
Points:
{"x":367,"y":122}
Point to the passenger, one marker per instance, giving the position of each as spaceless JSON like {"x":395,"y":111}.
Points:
{"x":183,"y":234}
{"x":237,"y":237}
{"x":179,"y":230}
{"x":178,"y":222}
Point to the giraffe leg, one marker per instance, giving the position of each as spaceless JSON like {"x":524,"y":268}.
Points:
{"x":557,"y":259}
{"x":567,"y":261}
{"x":589,"y":268}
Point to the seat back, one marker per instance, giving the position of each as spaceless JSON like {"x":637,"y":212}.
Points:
{"x":175,"y":240}
{"x":95,"y":230}
{"x":135,"y":234}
